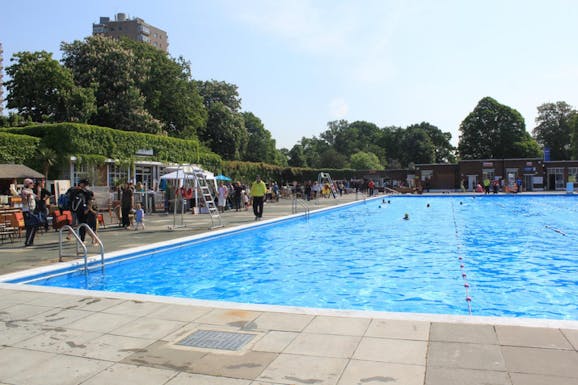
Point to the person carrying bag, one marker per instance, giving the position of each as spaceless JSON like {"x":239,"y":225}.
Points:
{"x":31,"y":218}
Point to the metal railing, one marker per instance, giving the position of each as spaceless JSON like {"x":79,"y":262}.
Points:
{"x":301,"y":202}
{"x":79,"y":244}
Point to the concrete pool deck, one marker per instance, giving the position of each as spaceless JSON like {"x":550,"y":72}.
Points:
{"x":60,"y":336}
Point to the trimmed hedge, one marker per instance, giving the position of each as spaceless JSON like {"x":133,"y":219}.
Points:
{"x":86,"y":141}
{"x":247,"y":171}
{"x":17,"y":149}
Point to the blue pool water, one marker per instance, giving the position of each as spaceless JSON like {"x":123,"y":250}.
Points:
{"x":518,"y":254}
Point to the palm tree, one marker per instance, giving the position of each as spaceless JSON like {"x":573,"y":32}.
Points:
{"x":47,"y":157}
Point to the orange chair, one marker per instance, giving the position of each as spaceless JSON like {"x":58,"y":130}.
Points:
{"x":61,"y":219}
{"x":100,"y":220}
{"x":17,"y":221}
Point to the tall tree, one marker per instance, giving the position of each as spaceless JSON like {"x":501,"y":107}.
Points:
{"x":493,"y":130}
{"x":44,"y":91}
{"x":365,"y":161}
{"x":171,"y":96}
{"x":554,"y":129}
{"x":219,"y":92}
{"x":261,"y":146}
{"x":225,"y":133}
{"x":416,"y":146}
{"x":111,"y":69}
{"x":443,"y":150}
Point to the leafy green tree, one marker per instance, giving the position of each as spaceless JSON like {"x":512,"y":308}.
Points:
{"x":297,"y":157}
{"x":225,"y":133}
{"x":171,"y":96}
{"x":330,"y":158}
{"x":443,"y":150}
{"x":261,"y":146}
{"x":574,"y":136}
{"x":491,"y":131}
{"x":44,"y":91}
{"x":219,"y":92}
{"x":553,"y":129}
{"x":359,"y":136}
{"x":365,"y":161}
{"x":111,"y":69}
{"x":416,"y":146}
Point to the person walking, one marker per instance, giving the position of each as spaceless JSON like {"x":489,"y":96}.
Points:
{"x":258,"y":191}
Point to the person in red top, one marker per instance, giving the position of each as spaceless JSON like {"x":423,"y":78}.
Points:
{"x":371,"y":187}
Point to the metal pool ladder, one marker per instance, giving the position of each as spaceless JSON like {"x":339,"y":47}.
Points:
{"x":209,"y":200}
{"x":297,"y":202}
{"x":80,"y":244}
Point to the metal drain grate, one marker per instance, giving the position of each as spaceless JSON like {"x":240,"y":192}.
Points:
{"x":211,"y":339}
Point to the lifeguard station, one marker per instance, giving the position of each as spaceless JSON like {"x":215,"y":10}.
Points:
{"x":324,"y":178}
{"x":192,"y":182}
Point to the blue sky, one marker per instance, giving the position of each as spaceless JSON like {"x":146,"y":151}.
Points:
{"x":302,"y":63}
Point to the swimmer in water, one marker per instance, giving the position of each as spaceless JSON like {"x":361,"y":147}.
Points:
{"x":406,"y":217}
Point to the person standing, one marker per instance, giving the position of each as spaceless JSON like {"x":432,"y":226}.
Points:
{"x":79,"y":205}
{"x":223,"y":192}
{"x":238,"y":195}
{"x":126,"y":204}
{"x":258,"y":191}
{"x":43,"y":201}
{"x":28,"y":207}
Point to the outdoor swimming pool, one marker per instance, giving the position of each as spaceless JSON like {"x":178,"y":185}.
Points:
{"x":517,"y":254}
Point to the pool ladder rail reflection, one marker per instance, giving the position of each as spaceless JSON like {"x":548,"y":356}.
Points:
{"x":80,"y":246}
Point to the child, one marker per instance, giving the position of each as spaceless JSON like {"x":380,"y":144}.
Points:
{"x":138,"y":217}
{"x":245,"y":200}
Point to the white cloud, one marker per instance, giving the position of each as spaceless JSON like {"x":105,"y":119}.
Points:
{"x":338,"y":108}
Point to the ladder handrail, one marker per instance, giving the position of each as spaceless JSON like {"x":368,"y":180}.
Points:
{"x":302,"y":202}
{"x":97,"y":238}
{"x":78,"y":241}
{"x":76,"y":236}
{"x":391,"y":190}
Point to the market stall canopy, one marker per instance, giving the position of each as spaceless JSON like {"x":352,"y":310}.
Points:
{"x":18,"y":171}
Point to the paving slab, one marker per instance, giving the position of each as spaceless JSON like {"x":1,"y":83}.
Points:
{"x":297,"y":369}
{"x":323,"y":345}
{"x":201,"y":379}
{"x":120,"y":374}
{"x":548,"y":362}
{"x":379,"y":373}
{"x":392,"y":350}
{"x":571,"y":336}
{"x":338,"y":325}
{"x":477,"y":334}
{"x":60,"y":370}
{"x":453,"y":376}
{"x":465,"y":356}
{"x":532,"y":337}
{"x":282,"y":321}
{"x":402,"y":329}
{"x":275,"y":341}
{"x":528,"y":379}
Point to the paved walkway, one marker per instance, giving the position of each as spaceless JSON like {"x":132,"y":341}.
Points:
{"x":56,"y":336}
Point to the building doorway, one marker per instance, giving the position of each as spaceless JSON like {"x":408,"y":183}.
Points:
{"x":472,"y":182}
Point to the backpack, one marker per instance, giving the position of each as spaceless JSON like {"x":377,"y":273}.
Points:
{"x":64,"y":201}
{"x":77,"y":201}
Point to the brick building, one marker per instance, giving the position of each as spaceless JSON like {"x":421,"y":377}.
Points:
{"x":135,"y":29}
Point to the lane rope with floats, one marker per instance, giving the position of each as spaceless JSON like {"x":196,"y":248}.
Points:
{"x":462,"y":262}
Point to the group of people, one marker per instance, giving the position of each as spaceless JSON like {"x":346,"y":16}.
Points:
{"x":237,"y":196}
